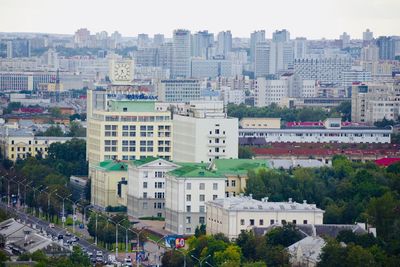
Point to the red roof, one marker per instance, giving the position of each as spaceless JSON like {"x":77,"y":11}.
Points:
{"x":386,"y":161}
{"x":31,"y":110}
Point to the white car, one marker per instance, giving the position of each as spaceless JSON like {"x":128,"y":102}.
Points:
{"x":99,"y":253}
{"x":51,"y":225}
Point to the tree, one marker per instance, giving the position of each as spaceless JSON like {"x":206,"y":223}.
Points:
{"x":333,"y":254}
{"x":231,"y":256}
{"x":12,"y":106}
{"x":284,"y":236}
{"x":245,"y":153}
{"x":76,"y":130}
{"x":200,"y":230}
{"x":54,"y":130}
{"x":78,"y":258}
{"x":344,"y":109}
{"x":255,"y":186}
{"x":254,"y":264}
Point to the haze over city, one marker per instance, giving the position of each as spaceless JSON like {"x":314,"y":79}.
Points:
{"x":312,"y":19}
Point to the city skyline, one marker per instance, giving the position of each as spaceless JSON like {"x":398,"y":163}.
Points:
{"x":332,"y":19}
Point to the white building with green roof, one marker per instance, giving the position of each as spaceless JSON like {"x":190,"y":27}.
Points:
{"x":187,"y":190}
{"x":146,"y":188}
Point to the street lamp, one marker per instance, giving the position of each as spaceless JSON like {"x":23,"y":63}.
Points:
{"x":137,"y":245}
{"x":116,"y":235}
{"x":73,"y":213}
{"x":63,"y":218}
{"x":48,"y":202}
{"x":200,"y":261}
{"x":25,"y":206}
{"x":19,"y":197}
{"x":184,"y":257}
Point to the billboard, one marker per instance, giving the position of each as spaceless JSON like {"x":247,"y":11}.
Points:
{"x":174,"y":241}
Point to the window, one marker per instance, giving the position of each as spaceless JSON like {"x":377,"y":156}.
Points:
{"x":188,"y":219}
{"x":261,"y":222}
{"x":271,"y":222}
{"x":188,"y":208}
{"x":305,"y":222}
{"x":145,"y":174}
{"x":215,"y":197}
{"x":227,"y":183}
{"x":144,"y":194}
{"x":189,"y":186}
{"x":144,"y":184}
{"x":145,"y":205}
{"x":201,"y":220}
{"x":188,"y":230}
{"x":202,"y":197}
{"x":241,"y":221}
{"x":251,"y":221}
{"x":202,"y":209}
{"x":233,"y":183}
{"x":215,"y":186}
{"x":188,"y":197}
{"x":202,"y":186}
{"x":283,"y":221}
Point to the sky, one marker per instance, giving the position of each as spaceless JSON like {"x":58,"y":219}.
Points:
{"x":313,"y":19}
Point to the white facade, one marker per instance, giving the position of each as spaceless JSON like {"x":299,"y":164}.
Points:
{"x":146,"y":187}
{"x":261,"y":59}
{"x":186,"y":198}
{"x":204,"y":136}
{"x":236,"y":97}
{"x":232,"y":215}
{"x":179,"y":90}
{"x":181,"y":54}
{"x":207,"y":68}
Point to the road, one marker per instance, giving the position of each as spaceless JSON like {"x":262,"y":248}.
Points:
{"x":44,"y":226}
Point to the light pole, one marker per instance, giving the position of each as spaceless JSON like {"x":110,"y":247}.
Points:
{"x":137,"y":245}
{"x":116,"y":235}
{"x":73,"y":213}
{"x":25,"y":206}
{"x":63,"y":218}
{"x":19,"y":197}
{"x":200,"y":261}
{"x":184,"y":257}
{"x":48,"y":203}
{"x":34,"y":193}
{"x":42,"y":191}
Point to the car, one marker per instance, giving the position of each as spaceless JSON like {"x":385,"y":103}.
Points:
{"x":51,"y":225}
{"x":99,"y":259}
{"x":68,"y":234}
{"x":99,"y":253}
{"x":60,"y":237}
{"x":90,"y":254}
{"x":75,"y":239}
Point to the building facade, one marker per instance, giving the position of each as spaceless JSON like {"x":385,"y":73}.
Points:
{"x":178,"y":90}
{"x":146,"y":187}
{"x":187,"y":190}
{"x":232,"y":215}
{"x":181,"y":54}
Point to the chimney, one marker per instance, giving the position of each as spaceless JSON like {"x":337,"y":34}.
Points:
{"x":290,"y":200}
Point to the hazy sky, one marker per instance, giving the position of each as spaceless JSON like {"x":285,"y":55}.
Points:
{"x":313,"y":19}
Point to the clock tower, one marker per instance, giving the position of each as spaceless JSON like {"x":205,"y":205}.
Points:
{"x":121,"y":71}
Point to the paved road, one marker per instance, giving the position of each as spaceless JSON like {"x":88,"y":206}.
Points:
{"x":44,"y":227}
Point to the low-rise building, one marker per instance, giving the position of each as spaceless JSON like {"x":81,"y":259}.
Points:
{"x":187,"y":190}
{"x":232,"y":215}
{"x":146,"y":187}
{"x":332,"y":131}
{"x":105,"y":178}
{"x":22,"y":143}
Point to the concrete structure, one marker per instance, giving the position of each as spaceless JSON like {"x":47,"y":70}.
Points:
{"x":373,"y":102}
{"x":262,"y":59}
{"x":187,"y":190}
{"x":120,"y":127}
{"x":233,"y":214}
{"x":181,"y":54}
{"x":260,"y":123}
{"x":355,"y":75}
{"x":325,"y":70}
{"x":224,"y":43}
{"x":105,"y":177}
{"x":210,"y":68}
{"x":387,"y":47}
{"x":307,"y":251}
{"x":146,"y":187}
{"x":201,"y":42}
{"x":204,"y":133}
{"x":255,"y":38}
{"x":178,"y":90}
{"x":21,"y":143}
{"x":236,"y":97}
{"x":18,"y":81}
{"x":331,"y":132}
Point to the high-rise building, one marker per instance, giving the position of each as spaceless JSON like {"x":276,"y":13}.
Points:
{"x":211,"y":68}
{"x":181,"y":54}
{"x":178,"y":90}
{"x":387,"y":47}
{"x":126,"y":126}
{"x":82,"y":37}
{"x":158,"y":39}
{"x":143,"y":40}
{"x":224,"y":45}
{"x":165,"y":55}
{"x":345,"y":38}
{"x":18,"y":48}
{"x":205,"y":133}
{"x":281,"y":36}
{"x":202,"y":40}
{"x":147,"y":57}
{"x":255,"y":37}
{"x":370,"y":53}
{"x":368,"y":36}
{"x":262,"y":59}
{"x":300,"y":47}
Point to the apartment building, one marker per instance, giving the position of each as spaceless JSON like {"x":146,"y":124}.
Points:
{"x":373,"y":102}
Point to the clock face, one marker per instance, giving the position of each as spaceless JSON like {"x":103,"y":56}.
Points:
{"x":122,"y":72}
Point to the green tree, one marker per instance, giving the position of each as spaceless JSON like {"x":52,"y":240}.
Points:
{"x":76,"y":130}
{"x":230,"y":255}
{"x":255,"y":186}
{"x":245,"y":153}
{"x":284,"y":236}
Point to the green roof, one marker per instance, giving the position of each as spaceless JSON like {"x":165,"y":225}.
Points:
{"x":193,"y":170}
{"x":238,"y":166}
{"x":146,"y":160}
{"x":132,"y":106}
{"x":110,"y":165}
